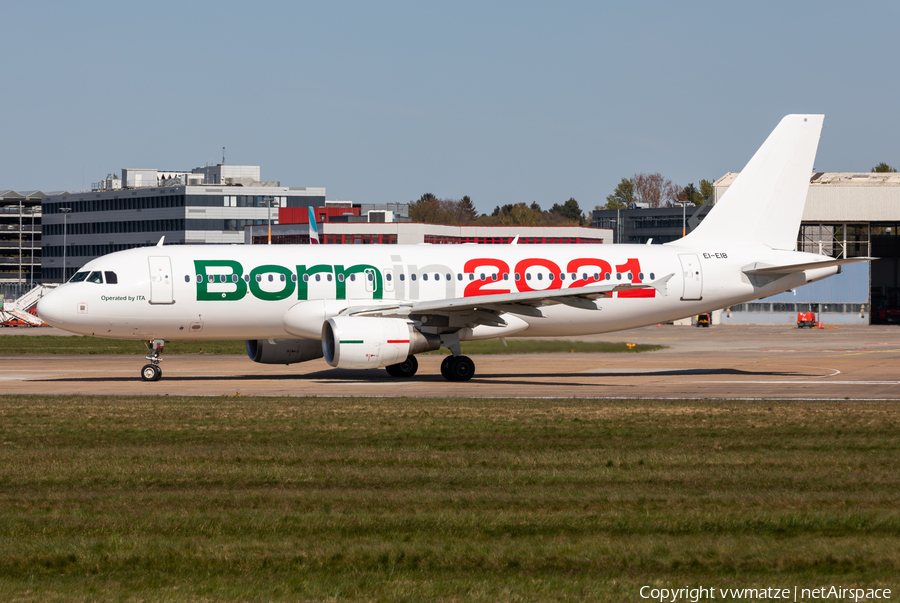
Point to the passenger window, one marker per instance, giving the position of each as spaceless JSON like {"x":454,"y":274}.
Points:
{"x":389,"y":277}
{"x":78,"y":277}
{"x":352,"y":277}
{"x":271,"y":278}
{"x":258,"y":278}
{"x":506,"y":276}
{"x":652,"y":276}
{"x":328,"y":277}
{"x":199,"y":278}
{"x":95,"y":277}
{"x":341,"y":278}
{"x":234,"y":278}
{"x":437,"y":276}
{"x":187,"y":278}
{"x":607,"y":276}
{"x":246,"y":278}
{"x":221,"y":278}
{"x":518,"y":276}
{"x":471,"y":276}
{"x":318,"y":277}
{"x":371,"y":278}
{"x":482,"y":276}
{"x":305,"y":278}
{"x":540,"y":276}
{"x":459,"y":276}
{"x":111,"y":278}
{"x":448,"y":276}
{"x":402,"y":277}
{"x":425,"y":277}
{"x":527,"y":276}
{"x":412,"y":276}
{"x":282,"y":278}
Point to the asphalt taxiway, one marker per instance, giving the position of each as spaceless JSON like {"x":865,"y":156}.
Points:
{"x":727,"y":362}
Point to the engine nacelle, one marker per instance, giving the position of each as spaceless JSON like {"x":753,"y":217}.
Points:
{"x":371,"y":342}
{"x":284,"y":351}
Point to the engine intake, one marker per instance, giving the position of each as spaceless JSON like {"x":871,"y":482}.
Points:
{"x":371,"y":342}
{"x":284,"y":351}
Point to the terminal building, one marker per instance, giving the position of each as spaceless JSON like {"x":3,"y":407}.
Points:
{"x":209,"y":204}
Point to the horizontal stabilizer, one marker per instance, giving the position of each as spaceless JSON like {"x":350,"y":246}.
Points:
{"x":760,"y":269}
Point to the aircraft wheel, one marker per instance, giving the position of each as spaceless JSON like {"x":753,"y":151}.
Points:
{"x":461,"y":368}
{"x":407,"y":368}
{"x":151,"y":372}
{"x":445,"y":367}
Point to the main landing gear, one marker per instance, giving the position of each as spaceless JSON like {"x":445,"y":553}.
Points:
{"x":152,"y":372}
{"x":407,"y":368}
{"x":457,"y":368}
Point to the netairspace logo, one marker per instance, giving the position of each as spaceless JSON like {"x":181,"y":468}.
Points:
{"x":796,"y":594}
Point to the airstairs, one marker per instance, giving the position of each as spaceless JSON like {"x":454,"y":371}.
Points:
{"x":22,"y":311}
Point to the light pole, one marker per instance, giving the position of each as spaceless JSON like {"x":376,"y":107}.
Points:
{"x":268,"y":202}
{"x":65,"y":211}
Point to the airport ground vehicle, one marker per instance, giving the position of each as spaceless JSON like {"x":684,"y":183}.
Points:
{"x":806,"y":320}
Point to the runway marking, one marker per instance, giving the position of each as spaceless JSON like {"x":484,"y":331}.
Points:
{"x":809,"y":382}
{"x":650,"y":371}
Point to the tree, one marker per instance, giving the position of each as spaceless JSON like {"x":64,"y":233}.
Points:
{"x":883,"y":168}
{"x":427,"y":209}
{"x":654,"y":190}
{"x":569,"y":210}
{"x":622,"y":197}
{"x":691,"y":194}
{"x":706,"y":189}
{"x":463,"y":211}
{"x":432,"y":210}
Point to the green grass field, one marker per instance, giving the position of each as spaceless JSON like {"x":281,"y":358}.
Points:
{"x":271,"y":499}
{"x":49,"y":344}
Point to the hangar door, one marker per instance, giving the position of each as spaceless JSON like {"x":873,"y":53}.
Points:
{"x":693,"y":277}
{"x":160,"y":280}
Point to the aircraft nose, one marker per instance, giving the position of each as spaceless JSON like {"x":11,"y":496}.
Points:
{"x":50,"y":308}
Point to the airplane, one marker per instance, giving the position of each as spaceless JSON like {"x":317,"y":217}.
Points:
{"x":378,"y":306}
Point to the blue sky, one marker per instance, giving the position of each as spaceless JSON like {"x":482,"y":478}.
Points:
{"x":383,"y":101}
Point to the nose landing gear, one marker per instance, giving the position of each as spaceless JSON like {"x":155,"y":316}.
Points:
{"x":152,"y":372}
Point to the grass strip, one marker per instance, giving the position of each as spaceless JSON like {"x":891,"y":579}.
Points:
{"x":267,"y":499}
{"x":49,"y":344}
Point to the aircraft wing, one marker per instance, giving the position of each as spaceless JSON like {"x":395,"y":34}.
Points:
{"x":761,"y":269}
{"x":524,"y":303}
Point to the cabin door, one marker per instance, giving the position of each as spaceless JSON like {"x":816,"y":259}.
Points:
{"x":693,"y":276}
{"x":161,"y":280}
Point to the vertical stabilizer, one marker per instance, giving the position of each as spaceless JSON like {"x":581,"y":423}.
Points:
{"x":765,"y":203}
{"x":313,"y":230}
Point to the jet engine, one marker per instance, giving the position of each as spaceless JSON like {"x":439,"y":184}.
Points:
{"x":284,"y":351}
{"x":371,"y":342}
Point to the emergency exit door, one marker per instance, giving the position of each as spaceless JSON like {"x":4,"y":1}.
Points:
{"x":693,"y":276}
{"x":161,"y":280}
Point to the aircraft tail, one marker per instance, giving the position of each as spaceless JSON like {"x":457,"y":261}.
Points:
{"x":765,"y":202}
{"x":313,"y":230}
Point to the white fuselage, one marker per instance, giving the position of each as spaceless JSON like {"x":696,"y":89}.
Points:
{"x":184,"y":292}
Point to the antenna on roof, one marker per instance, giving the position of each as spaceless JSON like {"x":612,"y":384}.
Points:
{"x":223,"y":155}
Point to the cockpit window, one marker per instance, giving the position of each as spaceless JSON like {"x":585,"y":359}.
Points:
{"x":79,"y":276}
{"x":95,"y":277}
{"x":111,"y":278}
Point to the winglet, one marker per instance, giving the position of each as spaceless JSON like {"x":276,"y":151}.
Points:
{"x":515,"y":241}
{"x":161,"y":239}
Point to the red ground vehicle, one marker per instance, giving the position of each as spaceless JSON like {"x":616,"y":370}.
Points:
{"x":806,"y":319}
